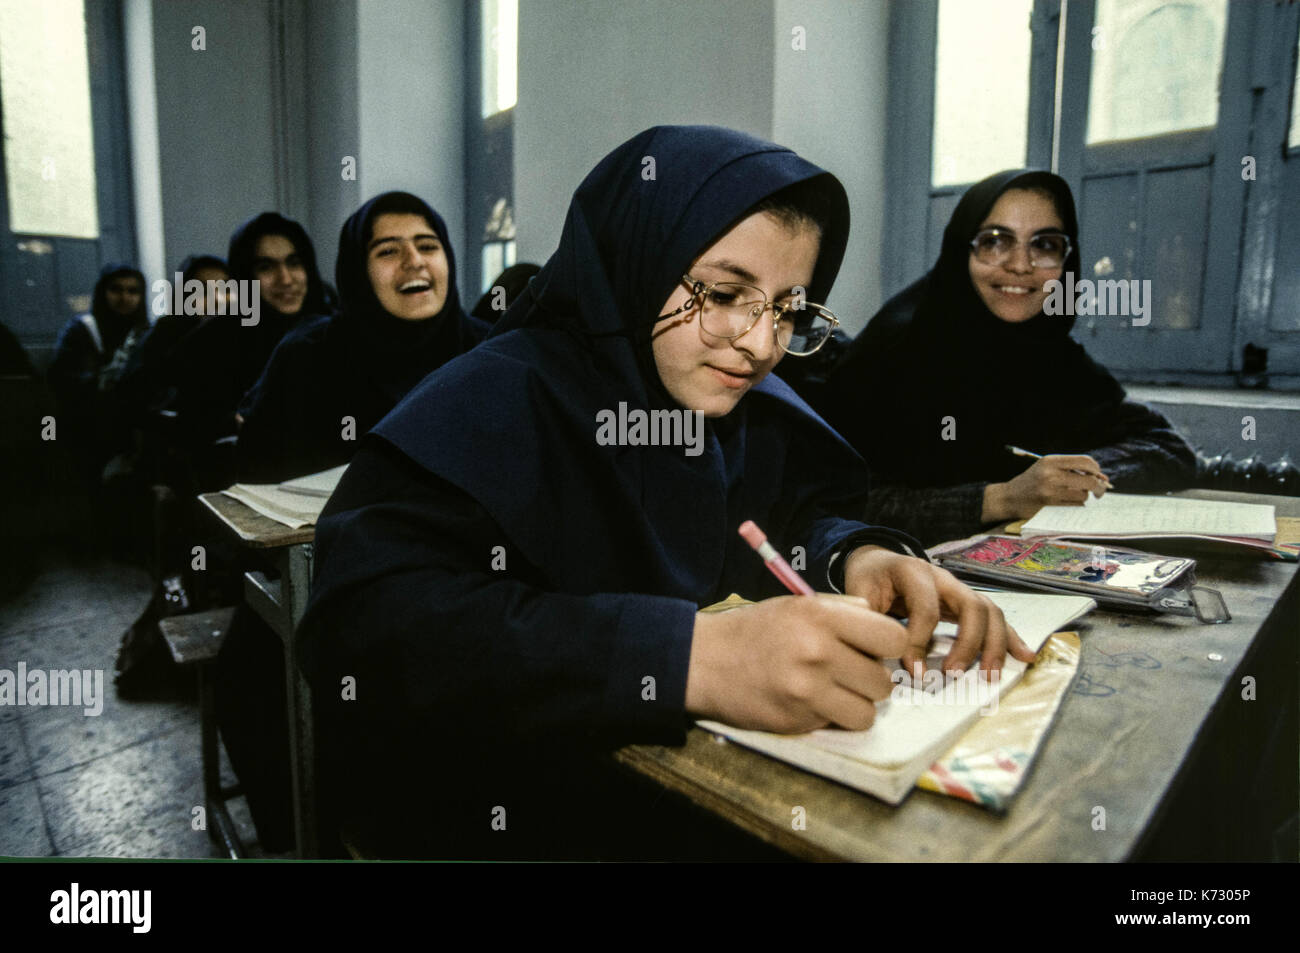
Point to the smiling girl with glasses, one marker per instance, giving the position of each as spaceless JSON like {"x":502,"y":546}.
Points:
{"x":514,"y":599}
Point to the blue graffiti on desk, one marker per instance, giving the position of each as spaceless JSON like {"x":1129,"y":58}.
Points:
{"x":1084,"y":685}
{"x":1119,"y":659}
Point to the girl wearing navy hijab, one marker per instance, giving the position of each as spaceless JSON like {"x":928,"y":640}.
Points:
{"x":400,"y":318}
{"x":214,"y":367}
{"x":506,"y":594}
{"x":966,"y":362}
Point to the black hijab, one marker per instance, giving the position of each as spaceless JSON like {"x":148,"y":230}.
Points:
{"x":936,"y":351}
{"x":638,"y":221}
{"x":114,"y":327}
{"x":243,"y":253}
{"x":578,"y":342}
{"x":395,"y":353}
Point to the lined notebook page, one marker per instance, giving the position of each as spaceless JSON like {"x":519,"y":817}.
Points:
{"x":911,"y":735}
{"x":1126,"y":514}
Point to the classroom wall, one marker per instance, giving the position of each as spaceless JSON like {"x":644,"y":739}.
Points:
{"x":215,"y":120}
{"x":411,"y":67}
{"x":333,"y":125}
{"x":829,"y":105}
{"x":593,"y":74}
{"x":735,"y":66}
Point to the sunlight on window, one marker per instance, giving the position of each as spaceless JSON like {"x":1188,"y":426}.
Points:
{"x":45,"y":93}
{"x":981,"y":90}
{"x":1155,"y":67}
{"x":1295,"y":103}
{"x":500,"y":54}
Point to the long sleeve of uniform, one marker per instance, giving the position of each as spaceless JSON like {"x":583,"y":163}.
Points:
{"x":408,"y":603}
{"x":1138,"y":449}
{"x":273,"y":418}
{"x":932,"y":514}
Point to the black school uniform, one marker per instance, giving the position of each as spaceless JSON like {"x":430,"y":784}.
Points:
{"x":212,"y":368}
{"x":329,"y":381}
{"x":508,"y":597}
{"x":936,"y":386}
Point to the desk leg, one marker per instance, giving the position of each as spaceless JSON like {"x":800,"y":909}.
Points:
{"x":295,"y":583}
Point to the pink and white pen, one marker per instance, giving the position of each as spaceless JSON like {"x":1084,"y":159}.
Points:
{"x":772,"y":559}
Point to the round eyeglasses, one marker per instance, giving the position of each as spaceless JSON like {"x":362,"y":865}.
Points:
{"x":993,"y":246}
{"x":729,"y":309}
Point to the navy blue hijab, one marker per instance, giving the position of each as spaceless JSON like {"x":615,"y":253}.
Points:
{"x":936,"y":351}
{"x":524,"y":402}
{"x":395,"y":353}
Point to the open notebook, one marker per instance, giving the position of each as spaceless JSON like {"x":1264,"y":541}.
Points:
{"x":911,"y":728}
{"x":1130,"y":517}
{"x":295,"y":503}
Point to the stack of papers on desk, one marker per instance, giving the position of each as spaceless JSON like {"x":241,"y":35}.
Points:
{"x":912,"y":730}
{"x":295,"y":503}
{"x":1244,"y":526}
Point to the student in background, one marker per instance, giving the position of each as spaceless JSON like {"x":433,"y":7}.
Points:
{"x":965,"y":362}
{"x":89,"y":357}
{"x":214,"y":367}
{"x":512,"y":283}
{"x":498,"y":582}
{"x":143,"y":379}
{"x":328,"y":383}
{"x":333,"y":378}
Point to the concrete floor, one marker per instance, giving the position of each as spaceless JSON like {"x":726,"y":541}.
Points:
{"x":120,"y":784}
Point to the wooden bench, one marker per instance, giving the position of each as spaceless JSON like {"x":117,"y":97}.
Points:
{"x":195,"y":639}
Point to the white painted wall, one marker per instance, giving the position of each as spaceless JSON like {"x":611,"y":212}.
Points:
{"x":829,"y":106}
{"x":593,"y":74}
{"x":410,"y":71}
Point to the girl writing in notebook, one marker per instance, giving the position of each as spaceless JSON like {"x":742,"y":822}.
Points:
{"x":502,"y":588}
{"x":968,"y":365}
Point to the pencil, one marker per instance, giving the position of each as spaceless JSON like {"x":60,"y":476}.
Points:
{"x":772,"y":559}
{"x":1021,"y":452}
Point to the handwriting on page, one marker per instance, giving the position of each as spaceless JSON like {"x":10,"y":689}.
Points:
{"x":1125,"y":514}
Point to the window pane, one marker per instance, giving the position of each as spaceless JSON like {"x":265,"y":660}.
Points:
{"x":1155,"y":67}
{"x":981,"y":89}
{"x":500,"y":49}
{"x":45,"y":85}
{"x":1295,"y":103}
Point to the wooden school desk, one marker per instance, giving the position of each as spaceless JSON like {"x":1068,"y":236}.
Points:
{"x":281,"y":603}
{"x":1154,"y":731}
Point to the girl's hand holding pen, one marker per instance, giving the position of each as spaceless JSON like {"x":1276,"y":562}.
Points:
{"x":1053,"y":480}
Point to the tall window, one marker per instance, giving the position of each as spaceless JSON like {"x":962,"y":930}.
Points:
{"x":981,"y":91}
{"x":48,"y":149}
{"x":1155,"y":67}
{"x":1294,"y":141}
{"x":500,"y":54}
{"x":490,"y":183}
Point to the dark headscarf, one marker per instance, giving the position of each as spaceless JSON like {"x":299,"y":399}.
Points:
{"x":638,"y":221}
{"x":578,"y":341}
{"x":193,"y":264}
{"x":114,"y":327}
{"x":243,"y":252}
{"x":357,"y":363}
{"x":936,"y":351}
{"x":512,"y":281}
{"x":396,"y":353}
